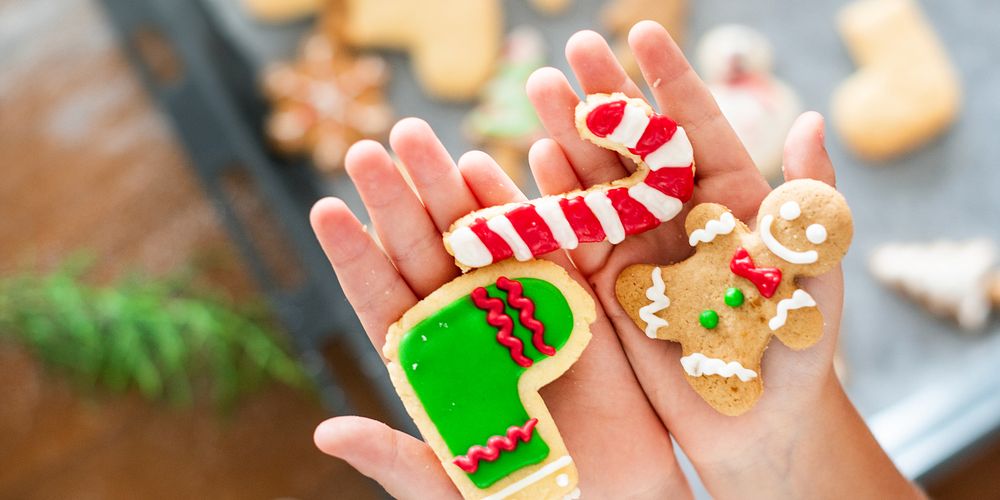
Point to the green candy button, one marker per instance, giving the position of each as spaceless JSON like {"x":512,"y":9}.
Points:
{"x":709,"y":319}
{"x":734,"y":297}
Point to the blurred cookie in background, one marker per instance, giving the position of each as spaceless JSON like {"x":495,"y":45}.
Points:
{"x":736,"y":63}
{"x":504,"y":122}
{"x":279,"y":11}
{"x":551,"y":7}
{"x":619,"y":16}
{"x":958,"y":279}
{"x":326,"y":100}
{"x":906,"y":90}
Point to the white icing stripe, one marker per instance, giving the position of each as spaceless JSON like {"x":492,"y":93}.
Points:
{"x":658,"y":302}
{"x":532,"y":478}
{"x":676,"y":152}
{"x":551,"y":212}
{"x":697,"y":365}
{"x":630,"y":129}
{"x":772,"y":244}
{"x":606,"y":214}
{"x":502,"y":226}
{"x":663,"y":207}
{"x":468,"y":249}
{"x":723,"y":225}
{"x":799,"y":299}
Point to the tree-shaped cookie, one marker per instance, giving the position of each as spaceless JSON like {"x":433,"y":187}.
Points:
{"x":723,"y":303}
{"x":468,"y":361}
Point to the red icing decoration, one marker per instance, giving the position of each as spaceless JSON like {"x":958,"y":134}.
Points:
{"x":526,"y":309}
{"x":766,"y":279}
{"x":634,"y":216}
{"x":605,"y":118}
{"x":657,"y":133}
{"x":498,"y":248}
{"x":515,"y":435}
{"x":676,"y":182}
{"x":533,"y":230}
{"x":584,"y":223}
{"x":496,"y":316}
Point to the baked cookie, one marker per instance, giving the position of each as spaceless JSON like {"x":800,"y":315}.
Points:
{"x":662,"y":183}
{"x":468,"y":362}
{"x":723,"y":303}
{"x":453,"y":44}
{"x":906,"y":90}
{"x":277,"y":11}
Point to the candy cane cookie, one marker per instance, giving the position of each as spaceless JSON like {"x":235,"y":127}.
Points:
{"x":662,"y":183}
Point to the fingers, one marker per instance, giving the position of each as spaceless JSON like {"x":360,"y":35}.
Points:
{"x":405,"y":466}
{"x":805,"y":152}
{"x":487,"y":181}
{"x":438,"y":182}
{"x":595,"y":65}
{"x":373,"y":287}
{"x":682,"y":95}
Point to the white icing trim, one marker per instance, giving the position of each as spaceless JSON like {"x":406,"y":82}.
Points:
{"x":790,"y":210}
{"x":503,"y":227}
{"x":663,"y":207}
{"x":723,"y":225}
{"x":532,"y":478}
{"x":551,"y":212}
{"x":677,"y":152}
{"x":573,"y":495}
{"x":697,"y":365}
{"x":630,"y":129}
{"x":798,"y":300}
{"x":772,"y":244}
{"x":562,"y":480}
{"x":601,"y":206}
{"x":658,"y":302}
{"x":816,"y":233}
{"x":469,"y":250}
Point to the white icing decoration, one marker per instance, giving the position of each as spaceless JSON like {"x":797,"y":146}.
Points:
{"x":573,"y":495}
{"x":798,"y":300}
{"x":662,"y":207}
{"x":816,"y":233}
{"x":790,"y":210}
{"x":697,"y":365}
{"x":630,"y":129}
{"x":780,"y":250}
{"x":658,"y":302}
{"x":562,"y":480}
{"x":677,"y":152}
{"x":532,"y":478}
{"x":502,"y":226}
{"x":723,"y":225}
{"x":469,"y":250}
{"x":606,"y":214}
{"x":551,"y":212}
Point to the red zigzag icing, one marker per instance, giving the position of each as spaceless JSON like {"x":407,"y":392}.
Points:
{"x":470,"y":461}
{"x":526,"y":310}
{"x":496,"y":316}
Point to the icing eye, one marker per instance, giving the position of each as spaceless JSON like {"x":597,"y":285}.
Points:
{"x":816,"y":233}
{"x":790,"y":211}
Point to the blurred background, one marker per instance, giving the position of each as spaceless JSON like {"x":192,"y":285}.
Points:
{"x":170,"y":329}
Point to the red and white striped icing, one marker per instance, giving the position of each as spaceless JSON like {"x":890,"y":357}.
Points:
{"x":604,"y":213}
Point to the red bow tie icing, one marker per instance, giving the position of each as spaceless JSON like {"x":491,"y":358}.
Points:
{"x":766,"y":279}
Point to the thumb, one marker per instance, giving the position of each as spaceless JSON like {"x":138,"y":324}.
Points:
{"x":405,"y":466}
{"x":805,"y":154}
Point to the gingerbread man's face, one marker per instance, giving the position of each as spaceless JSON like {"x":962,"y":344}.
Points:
{"x":807,"y":231}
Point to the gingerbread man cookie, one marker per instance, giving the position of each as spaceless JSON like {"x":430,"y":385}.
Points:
{"x":468,"y":362}
{"x":662,"y":183}
{"x":723,"y":303}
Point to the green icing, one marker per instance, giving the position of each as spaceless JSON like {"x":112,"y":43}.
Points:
{"x":467,"y":381}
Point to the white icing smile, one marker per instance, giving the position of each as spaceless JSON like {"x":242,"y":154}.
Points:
{"x":775,"y":246}
{"x":697,"y":365}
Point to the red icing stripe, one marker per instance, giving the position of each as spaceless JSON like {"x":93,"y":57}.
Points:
{"x":533,"y":230}
{"x":676,"y":182}
{"x":605,"y":118}
{"x":634,"y":216}
{"x":498,"y":248}
{"x":584,"y":223}
{"x":526,"y":310}
{"x":657,"y":133}
{"x":496,"y":316}
{"x":766,"y":279}
{"x":515,"y":435}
